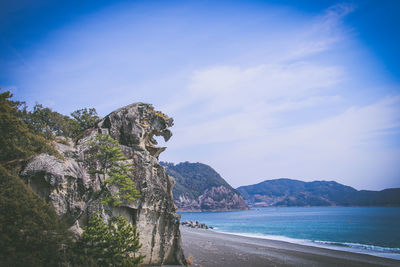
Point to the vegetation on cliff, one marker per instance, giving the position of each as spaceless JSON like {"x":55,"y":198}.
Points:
{"x":192,"y":179}
{"x":74,"y":187}
{"x":200,"y":187}
{"x":114,"y":244}
{"x":18,"y":142}
{"x":31,"y":232}
{"x":106,"y":158}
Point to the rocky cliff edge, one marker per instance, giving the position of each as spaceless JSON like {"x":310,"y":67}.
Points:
{"x":69,"y":187}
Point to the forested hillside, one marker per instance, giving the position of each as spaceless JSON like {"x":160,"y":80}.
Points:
{"x":288,"y":192}
{"x":199,"y":187}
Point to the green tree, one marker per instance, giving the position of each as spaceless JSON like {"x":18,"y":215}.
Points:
{"x":49,"y":123}
{"x":90,"y":249}
{"x":30,"y":231}
{"x":105,"y":157}
{"x":85,"y":118}
{"x":115,"y":244}
{"x":17,"y":141}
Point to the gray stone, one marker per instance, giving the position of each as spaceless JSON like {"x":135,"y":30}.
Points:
{"x":216,"y":198}
{"x":68,"y":186}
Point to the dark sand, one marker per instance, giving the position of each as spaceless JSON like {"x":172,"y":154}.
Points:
{"x":209,"y":248}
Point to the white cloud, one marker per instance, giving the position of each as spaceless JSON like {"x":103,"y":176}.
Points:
{"x":347,"y":147}
{"x":273,"y":96}
{"x":326,"y":31}
{"x":244,"y":102}
{"x":290,"y":118}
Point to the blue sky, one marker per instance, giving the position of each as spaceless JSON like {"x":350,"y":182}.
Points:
{"x":258,"y":89}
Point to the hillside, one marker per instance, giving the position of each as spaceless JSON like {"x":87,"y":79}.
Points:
{"x":111,"y":169}
{"x":288,"y":192}
{"x":200,"y":188}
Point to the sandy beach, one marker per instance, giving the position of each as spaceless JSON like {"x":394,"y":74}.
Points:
{"x":210,"y":248}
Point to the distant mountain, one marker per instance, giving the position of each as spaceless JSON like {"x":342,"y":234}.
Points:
{"x":288,"y":192}
{"x":200,"y":188}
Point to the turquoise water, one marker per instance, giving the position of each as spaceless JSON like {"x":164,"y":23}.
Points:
{"x":371,"y":230}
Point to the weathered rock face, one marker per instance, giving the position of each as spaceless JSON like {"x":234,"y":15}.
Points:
{"x":213,"y":199}
{"x":68,"y":186}
{"x":200,"y":188}
{"x":221,"y":198}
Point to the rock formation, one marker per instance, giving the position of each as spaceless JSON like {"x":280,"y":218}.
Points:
{"x":200,"y":188}
{"x":196,"y":225}
{"x":69,"y":187}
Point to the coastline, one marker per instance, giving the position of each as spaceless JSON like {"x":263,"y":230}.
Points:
{"x":377,"y":251}
{"x":213,"y":210}
{"x":212,"y":248}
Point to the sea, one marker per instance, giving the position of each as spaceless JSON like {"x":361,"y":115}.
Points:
{"x":368,"y":230}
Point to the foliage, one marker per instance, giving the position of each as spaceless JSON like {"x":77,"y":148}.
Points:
{"x":85,"y":118}
{"x":62,"y":141}
{"x":105,"y":157}
{"x":192,"y":179}
{"x":288,"y":192}
{"x":48,"y":123}
{"x":30,"y":232}
{"x":117,"y":243}
{"x":17,"y":141}
{"x":159,"y":114}
{"x":112,"y":245}
{"x":121,"y":178}
{"x":24,"y":134}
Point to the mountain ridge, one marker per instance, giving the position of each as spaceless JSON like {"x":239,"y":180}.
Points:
{"x":291,"y":192}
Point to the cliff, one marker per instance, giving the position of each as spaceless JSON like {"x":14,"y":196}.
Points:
{"x":288,"y":192}
{"x":69,"y":187}
{"x":200,"y":188}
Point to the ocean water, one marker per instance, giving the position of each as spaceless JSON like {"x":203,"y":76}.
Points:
{"x":369,"y":230}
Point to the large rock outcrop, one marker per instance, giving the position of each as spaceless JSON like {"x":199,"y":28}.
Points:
{"x":69,"y":187}
{"x":200,"y":188}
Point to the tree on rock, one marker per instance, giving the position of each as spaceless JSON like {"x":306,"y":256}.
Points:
{"x":117,"y":243}
{"x":17,"y":141}
{"x":105,"y":157}
{"x":85,"y":118}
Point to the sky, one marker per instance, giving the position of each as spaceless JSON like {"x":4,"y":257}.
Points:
{"x":258,"y":90}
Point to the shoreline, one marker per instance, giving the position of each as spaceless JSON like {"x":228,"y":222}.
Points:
{"x":347,"y":247}
{"x":213,"y":248}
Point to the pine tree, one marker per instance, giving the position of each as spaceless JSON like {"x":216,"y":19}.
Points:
{"x":117,"y":243}
{"x":112,"y":245}
{"x":124,"y":243}
{"x":105,"y":157}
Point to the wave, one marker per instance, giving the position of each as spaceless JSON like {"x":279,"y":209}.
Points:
{"x":385,"y":252}
{"x":360,"y":246}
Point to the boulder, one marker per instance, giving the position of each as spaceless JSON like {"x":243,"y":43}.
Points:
{"x":196,"y":224}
